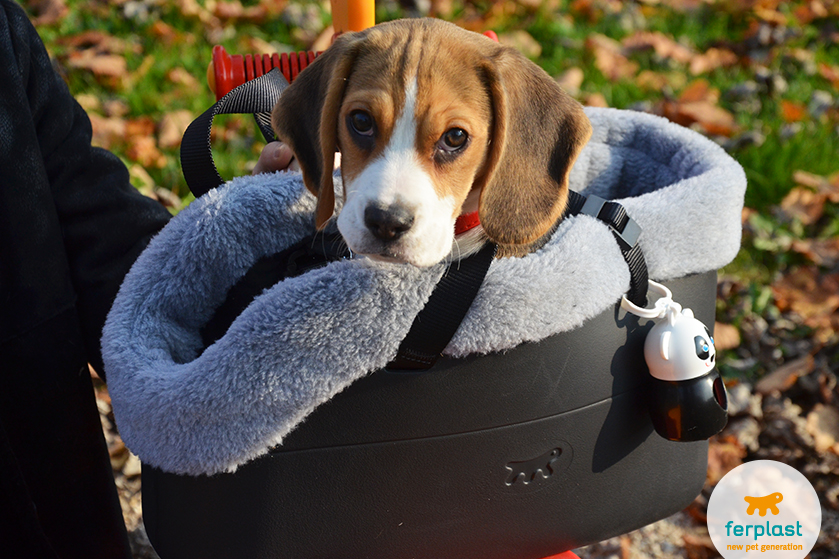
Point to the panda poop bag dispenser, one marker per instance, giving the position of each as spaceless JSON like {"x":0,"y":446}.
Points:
{"x":687,"y":399}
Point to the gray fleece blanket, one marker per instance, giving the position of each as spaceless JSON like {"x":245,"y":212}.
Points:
{"x":305,"y":339}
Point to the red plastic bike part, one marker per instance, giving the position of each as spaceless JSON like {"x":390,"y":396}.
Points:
{"x":227,"y":71}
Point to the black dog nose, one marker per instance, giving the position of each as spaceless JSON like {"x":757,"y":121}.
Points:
{"x":387,"y":224}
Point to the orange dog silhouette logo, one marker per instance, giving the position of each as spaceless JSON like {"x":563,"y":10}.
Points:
{"x":769,"y":502}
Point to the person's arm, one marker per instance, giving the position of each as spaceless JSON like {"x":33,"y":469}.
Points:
{"x":105,"y":222}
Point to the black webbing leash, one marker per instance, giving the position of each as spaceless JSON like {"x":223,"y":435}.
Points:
{"x":436,"y":324}
{"x":256,"y":97}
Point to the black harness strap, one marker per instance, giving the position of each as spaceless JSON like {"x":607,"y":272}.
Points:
{"x":436,"y":324}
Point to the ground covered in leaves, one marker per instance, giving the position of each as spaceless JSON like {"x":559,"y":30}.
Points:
{"x":760,"y":77}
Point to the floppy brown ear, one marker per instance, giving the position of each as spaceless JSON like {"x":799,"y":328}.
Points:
{"x":538,"y":132}
{"x":306,"y":118}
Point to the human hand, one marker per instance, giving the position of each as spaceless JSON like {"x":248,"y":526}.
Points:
{"x":275,"y":156}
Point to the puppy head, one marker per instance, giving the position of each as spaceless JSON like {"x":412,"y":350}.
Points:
{"x":429,"y":119}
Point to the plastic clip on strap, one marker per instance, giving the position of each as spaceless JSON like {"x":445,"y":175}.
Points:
{"x":257,"y":97}
{"x":626,"y":232}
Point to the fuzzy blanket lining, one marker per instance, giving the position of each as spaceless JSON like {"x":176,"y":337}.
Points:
{"x":305,"y":339}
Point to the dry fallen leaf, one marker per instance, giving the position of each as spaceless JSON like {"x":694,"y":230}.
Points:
{"x":142,"y":180}
{"x":792,"y":111}
{"x":810,"y":11}
{"x":609,"y":59}
{"x":711,"y":118}
{"x":699,"y":546}
{"x":115,"y":108}
{"x":100,"y":53}
{"x":712,"y":59}
{"x":142,"y":126}
{"x":571,"y":80}
{"x":48,"y":12}
{"x":100,"y":42}
{"x":810,"y":295}
{"x":664,"y":46}
{"x":180,"y":76}
{"x":700,"y":90}
{"x":143,"y":150}
{"x":132,"y":466}
{"x":626,"y":547}
{"x":651,"y":81}
{"x":804,"y":205}
{"x":782,"y":378}
{"x":825,"y":186}
{"x":89,"y":102}
{"x":105,"y":65}
{"x":258,"y":45}
{"x":118,"y":455}
{"x":322,"y":41}
{"x":167,"y":198}
{"x":589,"y":9}
{"x":697,"y":105}
{"x":770,"y":15}
{"x":823,"y":425}
{"x":726,"y":336}
{"x":723,"y":456}
{"x":171,"y":128}
{"x":107,"y":131}
{"x":164,"y":32}
{"x":830,"y":73}
{"x":523,"y":42}
{"x":595,"y":100}
{"x":258,"y":13}
{"x":678,"y":5}
{"x":192,"y":9}
{"x":698,"y":510}
{"x":822,"y":252}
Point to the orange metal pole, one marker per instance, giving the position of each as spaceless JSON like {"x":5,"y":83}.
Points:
{"x":353,"y":15}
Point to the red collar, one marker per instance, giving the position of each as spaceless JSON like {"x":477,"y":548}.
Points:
{"x":465,"y":222}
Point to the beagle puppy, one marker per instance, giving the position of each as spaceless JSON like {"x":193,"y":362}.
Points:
{"x":436,"y":126}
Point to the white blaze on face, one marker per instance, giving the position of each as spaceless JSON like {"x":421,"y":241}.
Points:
{"x":397,"y":178}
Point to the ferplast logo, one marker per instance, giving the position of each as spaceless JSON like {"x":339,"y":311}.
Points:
{"x":764,"y":509}
{"x":762,"y":504}
{"x":769,"y":502}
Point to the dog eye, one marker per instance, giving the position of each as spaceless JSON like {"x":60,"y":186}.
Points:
{"x":361,"y":122}
{"x":453,"y":140}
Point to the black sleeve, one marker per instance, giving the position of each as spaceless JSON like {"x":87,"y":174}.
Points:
{"x":105,"y":223}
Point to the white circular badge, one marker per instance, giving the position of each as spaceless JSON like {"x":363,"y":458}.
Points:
{"x":764,"y":510}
